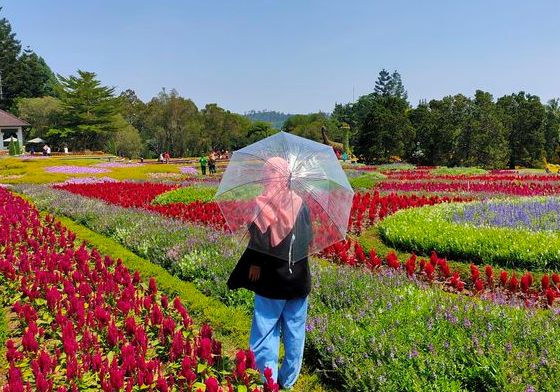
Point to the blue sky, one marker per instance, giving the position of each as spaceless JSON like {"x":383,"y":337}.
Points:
{"x":297,"y":56}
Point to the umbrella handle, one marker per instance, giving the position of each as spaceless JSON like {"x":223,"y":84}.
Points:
{"x":290,"y":252}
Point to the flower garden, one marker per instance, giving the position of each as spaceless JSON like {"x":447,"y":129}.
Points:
{"x":448,"y":281}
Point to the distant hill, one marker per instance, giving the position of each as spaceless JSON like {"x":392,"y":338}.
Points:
{"x":276,"y":118}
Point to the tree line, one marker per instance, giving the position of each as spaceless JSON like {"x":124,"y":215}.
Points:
{"x":77,"y":111}
{"x":514,"y":130}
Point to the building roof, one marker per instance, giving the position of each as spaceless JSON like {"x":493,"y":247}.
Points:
{"x":9,"y":120}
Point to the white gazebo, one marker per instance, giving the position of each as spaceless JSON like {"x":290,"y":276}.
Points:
{"x":10,"y":126}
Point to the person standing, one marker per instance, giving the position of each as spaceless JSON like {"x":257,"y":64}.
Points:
{"x":166,"y":156}
{"x":212,"y":163}
{"x":281,"y":228}
{"x":203,"y":161}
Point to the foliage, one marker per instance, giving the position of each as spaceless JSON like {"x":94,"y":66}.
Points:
{"x":309,"y":126}
{"x":146,"y":341}
{"x":383,"y":129}
{"x":127,"y":141}
{"x":524,"y":118}
{"x":89,"y":112}
{"x":431,"y":228}
{"x":366,"y":180}
{"x":24,"y":74}
{"x":186,"y":195}
{"x":259,"y":130}
{"x":552,"y":131}
{"x":42,"y":113}
{"x":458,"y":171}
{"x":276,"y":119}
{"x":383,"y":331}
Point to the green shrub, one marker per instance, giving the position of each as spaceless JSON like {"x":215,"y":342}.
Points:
{"x":186,"y":195}
{"x":430,"y":228}
{"x":458,"y":171}
{"x":367,"y":180}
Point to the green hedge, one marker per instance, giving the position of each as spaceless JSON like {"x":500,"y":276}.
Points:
{"x":459,"y":171}
{"x":366,"y":180}
{"x":187,"y":194}
{"x":430,"y":228}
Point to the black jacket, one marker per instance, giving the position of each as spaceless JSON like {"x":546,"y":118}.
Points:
{"x":279,"y":279}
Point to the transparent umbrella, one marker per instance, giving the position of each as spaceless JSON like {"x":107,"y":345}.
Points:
{"x":269,"y":183}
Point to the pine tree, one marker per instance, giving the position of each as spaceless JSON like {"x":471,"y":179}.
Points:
{"x":383,"y":84}
{"x":10,"y":48}
{"x":89,"y":111}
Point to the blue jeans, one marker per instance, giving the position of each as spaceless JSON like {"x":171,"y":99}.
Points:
{"x":271,"y":316}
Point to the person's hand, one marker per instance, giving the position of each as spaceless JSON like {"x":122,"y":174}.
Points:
{"x":254,"y":273}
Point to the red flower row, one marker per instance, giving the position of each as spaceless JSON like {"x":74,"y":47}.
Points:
{"x":437,"y":269}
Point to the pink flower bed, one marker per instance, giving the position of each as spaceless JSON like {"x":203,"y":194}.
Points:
{"x":75,"y":170}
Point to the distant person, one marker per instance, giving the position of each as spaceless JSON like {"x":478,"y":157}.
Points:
{"x":32,"y":150}
{"x":344,"y":157}
{"x":48,"y":151}
{"x":160,"y":159}
{"x":212,"y":163}
{"x":65,"y":149}
{"x":45,"y":150}
{"x":203,"y":161}
{"x":166,"y":157}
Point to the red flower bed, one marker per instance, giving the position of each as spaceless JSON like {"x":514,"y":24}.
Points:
{"x":86,"y":322}
{"x":125,"y":194}
{"x":369,"y":208}
{"x":437,"y":270}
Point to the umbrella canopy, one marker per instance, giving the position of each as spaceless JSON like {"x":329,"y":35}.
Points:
{"x":286,"y":187}
{"x":10,"y":139}
{"x":37,"y":140}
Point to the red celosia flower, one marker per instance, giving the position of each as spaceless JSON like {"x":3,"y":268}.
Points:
{"x":489,"y":275}
{"x":525,"y":283}
{"x":503,"y":277}
{"x":211,"y":384}
{"x":545,"y":282}
{"x":513,"y":283}
{"x":550,"y":296}
{"x":479,"y":285}
{"x":475,"y":273}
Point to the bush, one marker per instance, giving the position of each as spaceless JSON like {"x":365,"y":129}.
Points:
{"x":186,"y":195}
{"x":431,"y":228}
{"x":367,"y":180}
{"x":458,"y":171}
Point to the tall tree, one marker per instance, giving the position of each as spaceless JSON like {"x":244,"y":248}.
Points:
{"x":383,"y":83}
{"x":23,"y":75}
{"x":36,"y":78}
{"x":10,"y":49}
{"x":552,"y":130}
{"x":395,"y":86}
{"x":89,"y":112}
{"x":487,"y":137}
{"x":309,"y":126}
{"x":42,"y":113}
{"x":173,"y":124}
{"x":524,"y":115}
{"x":383,"y":129}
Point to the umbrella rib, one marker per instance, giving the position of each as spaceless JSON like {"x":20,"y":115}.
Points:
{"x":311,"y":191}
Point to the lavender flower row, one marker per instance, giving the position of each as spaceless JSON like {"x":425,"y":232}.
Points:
{"x":532,"y":214}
